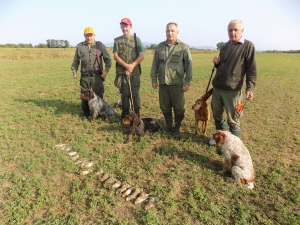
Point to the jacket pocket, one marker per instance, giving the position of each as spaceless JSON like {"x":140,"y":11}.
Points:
{"x":175,"y":58}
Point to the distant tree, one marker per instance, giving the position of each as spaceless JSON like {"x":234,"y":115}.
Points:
{"x":20,"y":45}
{"x":153,"y":46}
{"x":220,"y":45}
{"x":11,"y":45}
{"x":41,"y":46}
{"x":51,"y":43}
{"x":67,"y":44}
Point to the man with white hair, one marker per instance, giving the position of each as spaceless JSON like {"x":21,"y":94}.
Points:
{"x":235,"y":62}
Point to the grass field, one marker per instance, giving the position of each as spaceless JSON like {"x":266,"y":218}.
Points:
{"x":40,"y":184}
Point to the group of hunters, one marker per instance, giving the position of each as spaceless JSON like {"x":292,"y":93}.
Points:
{"x":171,"y":73}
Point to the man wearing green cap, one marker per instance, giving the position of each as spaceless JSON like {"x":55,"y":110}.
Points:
{"x":171,"y":72}
{"x":90,"y":54}
{"x":127,"y":70}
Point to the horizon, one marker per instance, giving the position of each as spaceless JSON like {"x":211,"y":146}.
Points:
{"x":269,"y":24}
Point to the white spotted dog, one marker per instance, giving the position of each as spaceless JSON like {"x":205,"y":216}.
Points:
{"x":237,"y":158}
{"x":98,"y":107}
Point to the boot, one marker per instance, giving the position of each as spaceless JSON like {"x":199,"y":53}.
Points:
{"x":221,"y":125}
{"x":235,"y":130}
{"x":125,"y":106}
{"x":178,"y":120}
{"x":168,"y":118}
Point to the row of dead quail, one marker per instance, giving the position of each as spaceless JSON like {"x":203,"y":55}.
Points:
{"x":128,"y":192}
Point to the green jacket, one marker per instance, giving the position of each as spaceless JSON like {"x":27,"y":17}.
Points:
{"x":86,"y":56}
{"x":171,"y":63}
{"x":232,"y":68}
{"x":127,"y":52}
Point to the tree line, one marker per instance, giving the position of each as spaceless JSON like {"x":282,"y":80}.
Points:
{"x":50,"y":43}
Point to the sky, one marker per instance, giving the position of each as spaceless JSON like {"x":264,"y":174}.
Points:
{"x":269,"y":24}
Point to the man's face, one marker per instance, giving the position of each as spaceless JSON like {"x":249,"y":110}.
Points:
{"x":171,"y":33}
{"x":125,"y":29}
{"x":89,"y":38}
{"x":235,"y":32}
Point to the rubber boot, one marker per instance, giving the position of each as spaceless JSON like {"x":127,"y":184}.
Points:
{"x":221,"y":125}
{"x":85,"y":109}
{"x":168,"y":118}
{"x":125,"y":106}
{"x":178,"y":120}
{"x":235,"y":130}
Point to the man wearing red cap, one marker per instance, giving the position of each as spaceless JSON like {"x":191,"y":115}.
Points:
{"x":127,"y":61}
{"x":89,"y":54}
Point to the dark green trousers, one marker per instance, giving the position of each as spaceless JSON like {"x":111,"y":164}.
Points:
{"x":171,"y":96}
{"x":96,"y":83}
{"x":135,"y":85}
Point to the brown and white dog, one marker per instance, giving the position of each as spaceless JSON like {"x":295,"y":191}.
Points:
{"x":202,"y":112}
{"x":237,"y":158}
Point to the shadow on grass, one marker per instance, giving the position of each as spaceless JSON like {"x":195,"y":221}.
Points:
{"x":192,"y":156}
{"x":59,"y":107}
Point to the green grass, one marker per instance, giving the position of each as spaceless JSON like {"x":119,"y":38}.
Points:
{"x":39,"y":184}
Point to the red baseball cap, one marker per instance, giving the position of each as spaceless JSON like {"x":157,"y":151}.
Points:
{"x":126,"y":21}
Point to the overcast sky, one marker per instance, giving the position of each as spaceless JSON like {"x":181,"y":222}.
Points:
{"x":269,"y":24}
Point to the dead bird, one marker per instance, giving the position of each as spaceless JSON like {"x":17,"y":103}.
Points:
{"x":133,"y":195}
{"x":150,"y":204}
{"x":127,"y":192}
{"x":99,"y":172}
{"x":123,"y":188}
{"x":84,"y":172}
{"x":142,"y":197}
{"x":117,"y":184}
{"x":104,"y":177}
{"x":72,"y":154}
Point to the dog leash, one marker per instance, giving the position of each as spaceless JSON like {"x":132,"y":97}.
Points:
{"x":212,"y":72}
{"x":131,"y":99}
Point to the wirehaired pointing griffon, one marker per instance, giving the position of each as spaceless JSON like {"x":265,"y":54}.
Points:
{"x":202,"y":112}
{"x":97,"y":106}
{"x":237,"y":158}
{"x":138,"y":126}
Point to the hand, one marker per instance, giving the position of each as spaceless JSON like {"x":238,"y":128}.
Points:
{"x":75,"y":78}
{"x":249,"y":95}
{"x":155,"y":85}
{"x":185,"y":87}
{"x":128,"y":73}
{"x":216,"y":60}
{"x":130,"y":67}
{"x":104,"y":74}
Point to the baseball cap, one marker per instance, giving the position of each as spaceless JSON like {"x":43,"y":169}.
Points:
{"x":126,"y":21}
{"x":89,"y":30}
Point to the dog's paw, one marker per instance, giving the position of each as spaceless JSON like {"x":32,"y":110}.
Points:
{"x":250,"y":185}
{"x":221,"y":172}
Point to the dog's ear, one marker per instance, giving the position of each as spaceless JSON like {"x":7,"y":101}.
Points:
{"x":136,"y":120}
{"x":219,"y":137}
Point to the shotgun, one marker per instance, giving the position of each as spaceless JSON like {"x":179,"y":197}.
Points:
{"x":137,"y":51}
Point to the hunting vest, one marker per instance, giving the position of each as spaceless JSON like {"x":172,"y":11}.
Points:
{"x":171,"y":64}
{"x":88,"y":57}
{"x":127,"y":53}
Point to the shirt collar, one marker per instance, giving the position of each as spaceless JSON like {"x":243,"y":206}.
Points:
{"x":241,"y":40}
{"x":176,"y":42}
{"x":91,"y":44}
